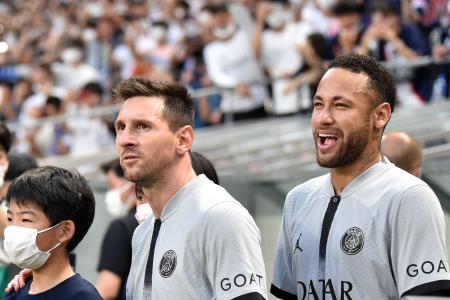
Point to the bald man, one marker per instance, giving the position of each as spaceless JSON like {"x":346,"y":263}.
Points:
{"x":404,"y":151}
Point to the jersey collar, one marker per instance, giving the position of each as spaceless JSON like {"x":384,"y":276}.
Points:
{"x":361,"y":180}
{"x":175,"y":202}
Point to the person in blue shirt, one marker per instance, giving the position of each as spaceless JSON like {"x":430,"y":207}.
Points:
{"x":50,"y":210}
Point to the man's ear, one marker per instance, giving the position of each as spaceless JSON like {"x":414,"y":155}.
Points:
{"x":382,"y":114}
{"x":67,"y":231}
{"x":185,"y":139}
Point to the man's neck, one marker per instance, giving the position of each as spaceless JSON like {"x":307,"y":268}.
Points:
{"x":341,"y":177}
{"x":56,"y":270}
{"x":160,"y":194}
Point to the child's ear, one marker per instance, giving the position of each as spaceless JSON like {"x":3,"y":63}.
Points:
{"x":67,"y":231}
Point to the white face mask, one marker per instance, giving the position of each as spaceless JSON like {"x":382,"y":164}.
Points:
{"x":278,"y":18}
{"x":21,"y":248}
{"x":224,"y":33}
{"x":3,"y":170}
{"x":114,"y":204}
{"x":71,"y":56}
{"x":159,"y":33}
{"x":143,"y":211}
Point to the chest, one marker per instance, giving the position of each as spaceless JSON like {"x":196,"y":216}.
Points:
{"x":335,"y":246}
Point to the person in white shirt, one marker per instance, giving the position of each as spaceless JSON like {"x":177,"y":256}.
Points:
{"x":366,"y":230}
{"x":278,"y":48}
{"x":232,"y":66}
{"x":199,"y":243}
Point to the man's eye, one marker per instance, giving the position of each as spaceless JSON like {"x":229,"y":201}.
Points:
{"x":141,"y":126}
{"x":317,"y":104}
{"x":120,"y":127}
{"x":341,"y":105}
{"x":9,"y":219}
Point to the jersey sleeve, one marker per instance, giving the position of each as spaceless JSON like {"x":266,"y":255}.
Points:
{"x":418,"y":250}
{"x":283,"y":280}
{"x":234,"y":261}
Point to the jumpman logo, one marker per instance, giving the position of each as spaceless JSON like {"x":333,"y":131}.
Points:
{"x":297,"y":245}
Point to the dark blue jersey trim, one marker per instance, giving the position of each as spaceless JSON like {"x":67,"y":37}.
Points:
{"x":279,"y":293}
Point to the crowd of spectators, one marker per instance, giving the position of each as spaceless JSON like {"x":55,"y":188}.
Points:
{"x":64,"y":56}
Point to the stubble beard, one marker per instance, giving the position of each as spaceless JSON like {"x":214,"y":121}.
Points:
{"x":149,"y":175}
{"x":349,"y":150}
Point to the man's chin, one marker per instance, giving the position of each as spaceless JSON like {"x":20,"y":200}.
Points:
{"x":330,"y":162}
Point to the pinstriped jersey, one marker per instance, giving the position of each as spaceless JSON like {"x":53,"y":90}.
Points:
{"x":382,"y":238}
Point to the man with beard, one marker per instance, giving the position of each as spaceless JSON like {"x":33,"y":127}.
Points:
{"x":200,"y":243}
{"x":366,"y":230}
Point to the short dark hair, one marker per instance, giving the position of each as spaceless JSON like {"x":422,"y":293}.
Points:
{"x":217,"y":8}
{"x":5,"y":137}
{"x":347,"y":7}
{"x":178,"y":104}
{"x":54,"y":101}
{"x":202,"y":165}
{"x":18,"y":164}
{"x":113,"y":165}
{"x":93,"y":87}
{"x":61,"y":195}
{"x":385,"y":9}
{"x":381,"y":81}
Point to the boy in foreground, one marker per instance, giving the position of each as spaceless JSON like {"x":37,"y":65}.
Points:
{"x":50,"y":211}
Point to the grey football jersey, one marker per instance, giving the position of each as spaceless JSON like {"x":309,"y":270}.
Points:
{"x":208,"y":247}
{"x":383,"y":236}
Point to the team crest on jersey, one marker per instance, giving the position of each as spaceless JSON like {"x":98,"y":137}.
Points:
{"x":168,"y":263}
{"x":352,"y":241}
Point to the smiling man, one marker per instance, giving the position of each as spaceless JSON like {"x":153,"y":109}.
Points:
{"x":366,"y":230}
{"x":200,"y":243}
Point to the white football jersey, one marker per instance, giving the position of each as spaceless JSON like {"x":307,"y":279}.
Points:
{"x":382,"y":238}
{"x":205,"y":246}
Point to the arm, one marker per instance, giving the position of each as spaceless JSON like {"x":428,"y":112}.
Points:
{"x":115,"y":260}
{"x":108,"y":285}
{"x":261,"y":13}
{"x":418,"y":249}
{"x":283,"y":279}
{"x":231,"y":243}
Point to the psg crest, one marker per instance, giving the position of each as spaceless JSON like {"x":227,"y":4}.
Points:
{"x":352,"y":241}
{"x":168,"y":263}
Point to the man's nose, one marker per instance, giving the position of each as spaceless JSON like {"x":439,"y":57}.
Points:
{"x":125,"y":138}
{"x":325,"y":116}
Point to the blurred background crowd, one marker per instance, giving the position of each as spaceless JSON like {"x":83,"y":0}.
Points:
{"x":241,"y":59}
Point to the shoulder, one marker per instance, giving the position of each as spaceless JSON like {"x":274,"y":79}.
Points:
{"x":228,"y":218}
{"x":77,"y":287}
{"x":306,"y":190}
{"x":398,"y":181}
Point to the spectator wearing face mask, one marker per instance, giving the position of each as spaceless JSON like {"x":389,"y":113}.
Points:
{"x":277,"y":48}
{"x":231,"y":65}
{"x":115,"y":255}
{"x":73,"y":72}
{"x":49,"y":212}
{"x":163,"y":53}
